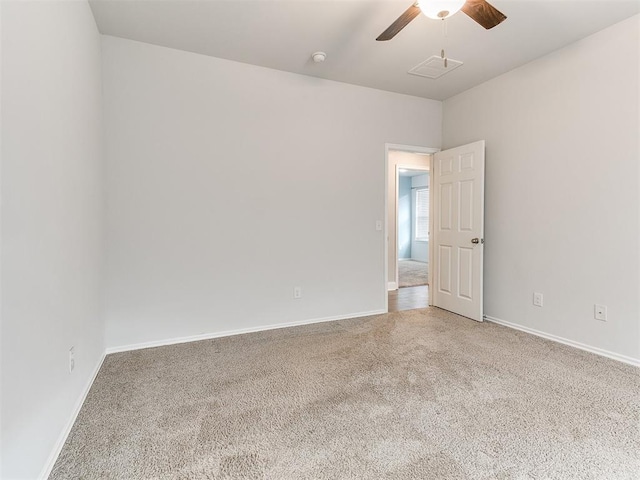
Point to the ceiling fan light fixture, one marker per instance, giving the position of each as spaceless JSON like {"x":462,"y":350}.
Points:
{"x":440,"y":9}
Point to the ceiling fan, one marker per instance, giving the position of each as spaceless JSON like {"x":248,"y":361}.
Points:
{"x":479,"y":10}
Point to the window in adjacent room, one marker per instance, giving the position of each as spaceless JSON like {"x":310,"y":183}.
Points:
{"x":422,"y":214}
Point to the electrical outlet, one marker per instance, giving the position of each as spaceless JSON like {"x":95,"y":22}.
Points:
{"x":537,"y":299}
{"x":72,"y":359}
{"x":297,"y":292}
{"x":600,"y":312}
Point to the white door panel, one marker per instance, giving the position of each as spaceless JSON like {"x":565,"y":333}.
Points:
{"x":458,"y":208}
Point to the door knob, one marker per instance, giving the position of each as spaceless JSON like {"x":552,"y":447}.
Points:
{"x":475,"y":240}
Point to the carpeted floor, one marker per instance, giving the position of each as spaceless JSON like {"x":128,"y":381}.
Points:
{"x":412,"y":273}
{"x":423,"y":394}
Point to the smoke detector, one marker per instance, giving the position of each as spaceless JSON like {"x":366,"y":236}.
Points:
{"x":319,"y":57}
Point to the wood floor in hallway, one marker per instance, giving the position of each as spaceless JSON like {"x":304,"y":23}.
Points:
{"x":409,"y":298}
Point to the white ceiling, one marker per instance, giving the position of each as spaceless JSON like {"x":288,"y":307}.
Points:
{"x":411,"y":173}
{"x":282,"y":34}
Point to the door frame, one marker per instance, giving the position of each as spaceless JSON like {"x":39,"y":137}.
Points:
{"x":410,"y":149}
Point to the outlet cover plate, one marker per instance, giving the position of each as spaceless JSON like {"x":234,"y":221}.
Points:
{"x":600,"y":312}
{"x":72,"y":359}
{"x":538,"y":299}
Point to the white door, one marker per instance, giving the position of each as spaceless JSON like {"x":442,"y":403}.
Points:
{"x":458,"y":229}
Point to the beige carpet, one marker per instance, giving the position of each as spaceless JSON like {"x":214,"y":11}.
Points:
{"x":411,"y":395}
{"x":412,"y":273}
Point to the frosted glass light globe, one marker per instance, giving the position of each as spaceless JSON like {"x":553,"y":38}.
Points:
{"x":439,"y":9}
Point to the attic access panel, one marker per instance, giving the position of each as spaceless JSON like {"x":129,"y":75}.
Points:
{"x":433,"y":67}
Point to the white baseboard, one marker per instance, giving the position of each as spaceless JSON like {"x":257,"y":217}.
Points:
{"x":46,"y":471}
{"x":598,"y":351}
{"x":227,"y":333}
{"x":392,"y":286}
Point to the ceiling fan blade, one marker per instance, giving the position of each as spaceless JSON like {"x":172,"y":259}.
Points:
{"x":403,"y":20}
{"x":483,"y":13}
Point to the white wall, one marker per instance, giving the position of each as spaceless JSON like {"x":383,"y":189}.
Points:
{"x":562,"y":183}
{"x":52,"y":213}
{"x":230,"y":184}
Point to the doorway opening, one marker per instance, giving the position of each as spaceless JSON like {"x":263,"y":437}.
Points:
{"x":413,"y":228}
{"x":456,"y":228}
{"x":408,"y":226}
